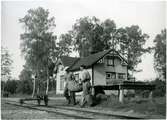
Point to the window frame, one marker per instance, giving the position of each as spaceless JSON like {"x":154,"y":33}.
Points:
{"x":123,"y":74}
{"x":111,"y":74}
{"x":108,"y":58}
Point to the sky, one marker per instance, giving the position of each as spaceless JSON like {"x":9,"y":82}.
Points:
{"x":149,"y":15}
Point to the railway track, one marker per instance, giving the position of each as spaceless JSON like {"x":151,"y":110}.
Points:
{"x":41,"y":108}
{"x":100,"y":114}
{"x":76,"y":113}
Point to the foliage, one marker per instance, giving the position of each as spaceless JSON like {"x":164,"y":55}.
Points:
{"x":160,"y":53}
{"x":25,"y":87}
{"x":11,"y":86}
{"x":90,"y":35}
{"x":131,"y":42}
{"x":65,"y":43}
{"x":25,"y":84}
{"x":160,"y":89}
{"x":6,"y":64}
{"x":25,"y":74}
{"x":38,"y":41}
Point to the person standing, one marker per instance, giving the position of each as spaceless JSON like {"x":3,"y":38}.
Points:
{"x":66,"y":91}
{"x":71,"y":82}
{"x":69,"y":94}
{"x":86,"y":85}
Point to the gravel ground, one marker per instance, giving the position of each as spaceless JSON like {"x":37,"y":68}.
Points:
{"x":15,"y":112}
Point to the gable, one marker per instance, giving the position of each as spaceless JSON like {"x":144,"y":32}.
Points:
{"x":64,"y":62}
{"x":113,"y":55}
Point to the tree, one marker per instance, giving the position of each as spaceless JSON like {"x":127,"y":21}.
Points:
{"x":160,"y":53}
{"x":91,"y":36}
{"x":65,"y":43}
{"x":131,"y":41}
{"x":38,"y":42}
{"x":6,"y":64}
{"x":110,"y":34}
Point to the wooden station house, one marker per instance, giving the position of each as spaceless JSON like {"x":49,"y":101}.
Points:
{"x":108,"y":70}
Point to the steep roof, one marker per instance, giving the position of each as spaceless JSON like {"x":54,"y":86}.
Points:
{"x":74,"y":63}
{"x":68,"y":61}
{"x":90,"y":60}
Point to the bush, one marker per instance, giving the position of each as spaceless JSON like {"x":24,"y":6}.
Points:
{"x":5,"y":94}
{"x":11,"y":86}
{"x":159,"y":91}
{"x":25,"y":87}
{"x":160,"y":88}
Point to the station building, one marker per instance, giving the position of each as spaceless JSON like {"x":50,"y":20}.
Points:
{"x":106,"y":68}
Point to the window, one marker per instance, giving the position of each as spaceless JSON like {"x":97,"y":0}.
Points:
{"x":110,"y":61}
{"x":62,"y":82}
{"x":110,"y":75}
{"x":101,"y":61}
{"x":121,"y":75}
{"x":77,"y":77}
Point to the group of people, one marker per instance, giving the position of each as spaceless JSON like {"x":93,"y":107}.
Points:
{"x":73,"y":86}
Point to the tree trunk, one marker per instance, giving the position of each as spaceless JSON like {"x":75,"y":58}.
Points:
{"x":47,"y":87}
{"x":33,"y":93}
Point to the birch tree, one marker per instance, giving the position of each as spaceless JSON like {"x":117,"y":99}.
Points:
{"x":38,"y":43}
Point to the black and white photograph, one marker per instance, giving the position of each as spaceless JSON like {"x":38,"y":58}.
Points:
{"x":83,"y":59}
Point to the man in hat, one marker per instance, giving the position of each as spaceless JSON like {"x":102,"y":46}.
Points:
{"x":68,"y":94}
{"x":86,"y":85}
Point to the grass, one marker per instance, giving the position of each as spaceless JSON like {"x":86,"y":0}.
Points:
{"x":156,"y":107}
{"x":140,"y":105}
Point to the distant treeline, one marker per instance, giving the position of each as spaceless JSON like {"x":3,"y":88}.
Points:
{"x":26,"y":87}
{"x":21,"y":86}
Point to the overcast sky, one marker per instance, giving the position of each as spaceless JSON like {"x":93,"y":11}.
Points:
{"x":149,"y":15}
